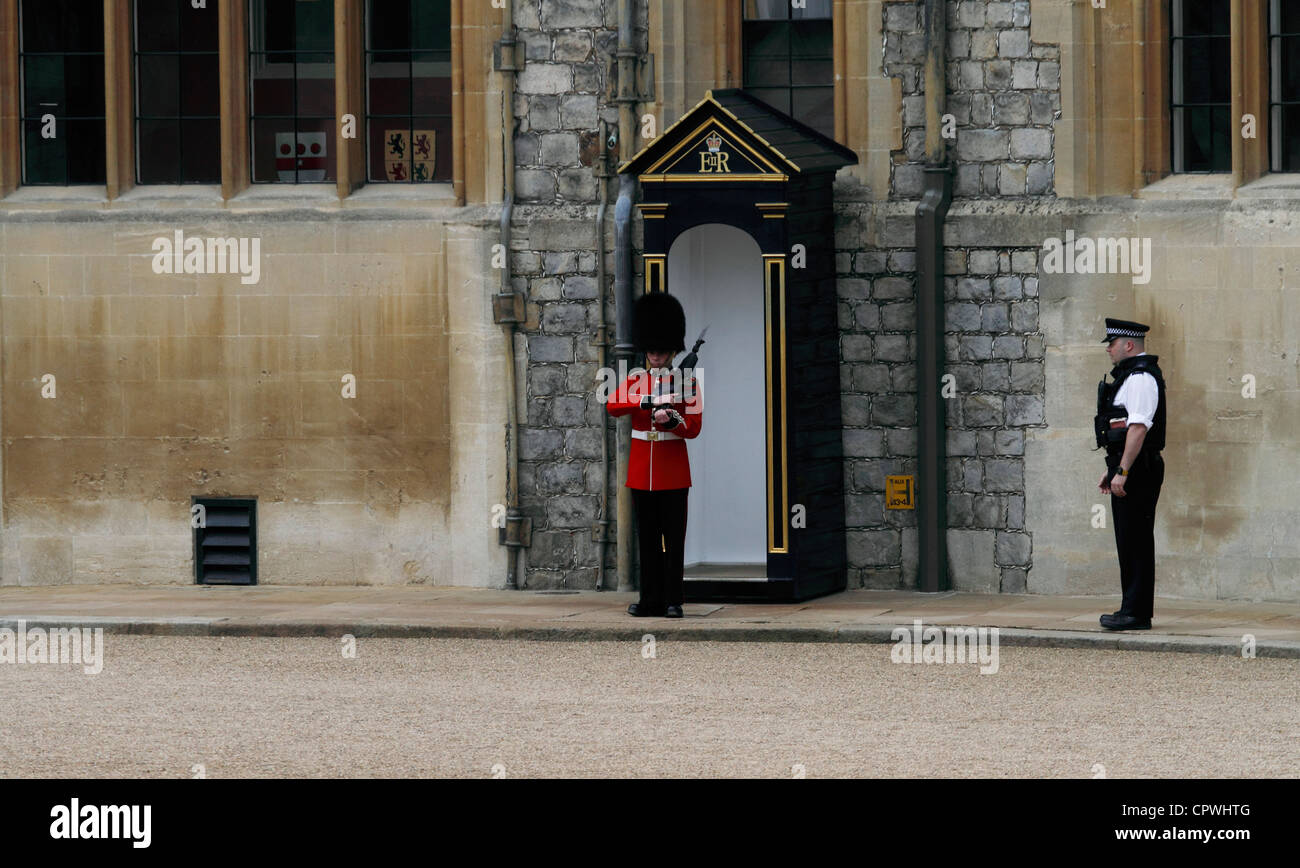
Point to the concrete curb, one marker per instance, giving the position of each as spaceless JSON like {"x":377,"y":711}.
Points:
{"x":1012,"y":637}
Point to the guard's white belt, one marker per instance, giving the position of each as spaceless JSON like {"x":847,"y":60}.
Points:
{"x":655,"y":435}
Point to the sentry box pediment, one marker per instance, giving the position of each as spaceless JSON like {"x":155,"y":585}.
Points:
{"x":730,"y":135}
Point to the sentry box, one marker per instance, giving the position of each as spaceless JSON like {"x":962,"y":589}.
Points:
{"x":739,"y":225}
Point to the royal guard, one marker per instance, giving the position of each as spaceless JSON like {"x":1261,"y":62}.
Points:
{"x":666,"y":411}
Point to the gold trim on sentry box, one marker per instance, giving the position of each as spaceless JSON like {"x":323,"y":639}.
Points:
{"x":708,"y":97}
{"x":774,"y":278}
{"x":754,"y":133}
{"x":653,"y":210}
{"x":655,"y":272}
{"x":785,"y":461}
{"x":712,"y":179}
{"x":767,"y":377}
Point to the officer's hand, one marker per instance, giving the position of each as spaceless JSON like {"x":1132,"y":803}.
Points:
{"x":667,"y":399}
{"x":1117,"y":486}
{"x":661,"y":417}
{"x":1105,"y":489}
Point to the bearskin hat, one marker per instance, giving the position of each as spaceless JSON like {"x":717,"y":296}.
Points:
{"x":659,"y":323}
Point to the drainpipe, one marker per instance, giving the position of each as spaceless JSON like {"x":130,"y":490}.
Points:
{"x":602,"y":343}
{"x":932,"y":488}
{"x":623,"y":348}
{"x":508,"y":306}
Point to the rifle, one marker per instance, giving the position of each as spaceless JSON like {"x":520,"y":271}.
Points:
{"x":685,"y":369}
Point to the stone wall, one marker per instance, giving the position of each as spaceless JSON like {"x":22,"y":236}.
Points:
{"x":1224,"y":302}
{"x":994,"y":351}
{"x":168,"y":386}
{"x":1003,"y":94}
{"x":562,"y":96}
{"x":562,"y":421}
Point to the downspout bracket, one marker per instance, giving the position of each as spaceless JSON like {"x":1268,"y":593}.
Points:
{"x":517,"y":533}
{"x":642,"y":87}
{"x":508,"y":307}
{"x":507,"y":55}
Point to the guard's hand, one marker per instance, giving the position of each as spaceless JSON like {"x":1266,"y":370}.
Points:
{"x":1105,"y":488}
{"x":674,"y":398}
{"x":1117,"y":486}
{"x":661,"y":417}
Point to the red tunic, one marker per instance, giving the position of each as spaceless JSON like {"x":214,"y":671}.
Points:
{"x":658,"y":465}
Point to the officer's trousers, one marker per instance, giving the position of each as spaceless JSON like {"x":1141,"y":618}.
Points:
{"x":1134,"y":517}
{"x":661,"y":526}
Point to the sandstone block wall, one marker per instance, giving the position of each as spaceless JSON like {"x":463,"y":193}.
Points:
{"x":166,"y":386}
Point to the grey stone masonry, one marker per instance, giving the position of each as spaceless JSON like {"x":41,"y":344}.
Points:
{"x":562,"y":94}
{"x":1004,"y":95}
{"x":993,"y":392}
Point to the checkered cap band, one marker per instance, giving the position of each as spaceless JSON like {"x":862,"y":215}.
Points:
{"x":1130,"y":333}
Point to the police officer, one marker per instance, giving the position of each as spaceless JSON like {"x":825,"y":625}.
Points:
{"x":666,"y":412}
{"x":1130,"y":425}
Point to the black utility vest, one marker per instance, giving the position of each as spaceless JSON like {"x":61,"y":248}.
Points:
{"x":1112,"y":439}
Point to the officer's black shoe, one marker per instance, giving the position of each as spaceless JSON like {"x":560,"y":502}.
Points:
{"x":673,"y":612}
{"x":1125,"y":622}
{"x":636,"y":611}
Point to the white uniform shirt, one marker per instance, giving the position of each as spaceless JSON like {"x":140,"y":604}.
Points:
{"x":1139,"y":397}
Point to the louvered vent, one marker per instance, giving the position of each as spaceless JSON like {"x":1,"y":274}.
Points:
{"x":225,"y":549}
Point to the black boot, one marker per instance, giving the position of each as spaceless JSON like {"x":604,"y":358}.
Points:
{"x":1124,"y":622}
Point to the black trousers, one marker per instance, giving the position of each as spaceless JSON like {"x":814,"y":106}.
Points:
{"x":1135,"y":521}
{"x":661,"y":526}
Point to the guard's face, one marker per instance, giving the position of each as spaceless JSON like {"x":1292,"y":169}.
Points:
{"x":658,"y":358}
{"x":1115,"y":349}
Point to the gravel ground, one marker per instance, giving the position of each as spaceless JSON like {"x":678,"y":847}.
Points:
{"x":460,"y":708}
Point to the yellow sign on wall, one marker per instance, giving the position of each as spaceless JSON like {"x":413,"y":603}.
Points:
{"x":900,"y":492}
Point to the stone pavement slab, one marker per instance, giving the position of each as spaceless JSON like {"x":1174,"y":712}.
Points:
{"x":1206,"y":626}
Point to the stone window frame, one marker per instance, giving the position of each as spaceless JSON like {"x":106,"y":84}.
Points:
{"x":1249,"y":70}
{"x":474,"y":25}
{"x":177,"y":53}
{"x":1274,"y":96}
{"x":730,"y":69}
{"x":789,"y":22}
{"x":1114,"y":137}
{"x":1179,"y":139}
{"x":703,"y":50}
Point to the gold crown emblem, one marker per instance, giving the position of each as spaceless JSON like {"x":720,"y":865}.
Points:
{"x":714,"y":142}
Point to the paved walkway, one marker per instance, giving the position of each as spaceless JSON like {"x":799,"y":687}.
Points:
{"x":1216,"y":627}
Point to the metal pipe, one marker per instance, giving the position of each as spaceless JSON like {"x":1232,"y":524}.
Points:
{"x":623,"y":352}
{"x":513,"y":514}
{"x":623,"y":348}
{"x":932,"y":487}
{"x":602,"y":342}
